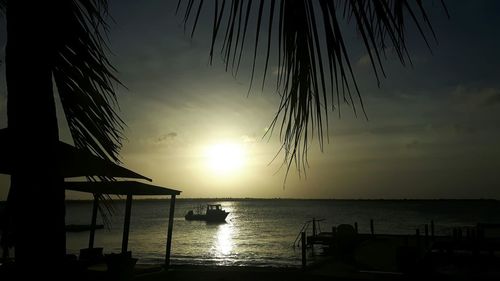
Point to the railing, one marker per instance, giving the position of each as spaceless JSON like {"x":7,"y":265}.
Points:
{"x":297,"y":241}
{"x":316,"y":228}
{"x":301,"y":239}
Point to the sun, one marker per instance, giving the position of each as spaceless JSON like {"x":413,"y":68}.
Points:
{"x":225,"y":158}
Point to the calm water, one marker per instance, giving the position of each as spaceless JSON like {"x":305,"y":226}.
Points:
{"x":261,"y":232}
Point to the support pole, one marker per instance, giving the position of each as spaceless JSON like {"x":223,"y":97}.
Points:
{"x":169,"y":230}
{"x":417,"y":238}
{"x":93,"y":221}
{"x":314,"y":227}
{"x":304,"y":248}
{"x":426,"y":239}
{"x":432,"y":230}
{"x":332,"y":240}
{"x":372,"y":230}
{"x":126,"y":223}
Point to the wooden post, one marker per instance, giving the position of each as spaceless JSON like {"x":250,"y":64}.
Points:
{"x":169,"y":230}
{"x":426,"y":231}
{"x":314,"y":227}
{"x":371,"y":227}
{"x":432,"y":230}
{"x":303,"y":238}
{"x":475,"y":242}
{"x":356,"y":227}
{"x":417,"y":235}
{"x":126,"y":223}
{"x":332,"y":241}
{"x":93,"y":221}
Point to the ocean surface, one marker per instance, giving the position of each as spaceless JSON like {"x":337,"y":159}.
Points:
{"x":262,"y":232}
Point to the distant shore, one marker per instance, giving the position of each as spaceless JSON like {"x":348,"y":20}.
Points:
{"x":298,"y":199}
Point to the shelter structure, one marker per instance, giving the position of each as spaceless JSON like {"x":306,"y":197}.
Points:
{"x":76,"y":162}
{"x":73,"y":162}
{"x":129,"y":189}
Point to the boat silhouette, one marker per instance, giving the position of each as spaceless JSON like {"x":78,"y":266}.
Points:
{"x":214,"y":213}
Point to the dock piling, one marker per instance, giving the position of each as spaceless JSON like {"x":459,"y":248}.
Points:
{"x":426,"y":238}
{"x":303,"y":238}
{"x":314,"y":227}
{"x":417,"y":235}
{"x":432,"y":230}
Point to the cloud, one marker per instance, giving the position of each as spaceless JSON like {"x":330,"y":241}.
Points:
{"x":463,"y":129}
{"x":364,"y":60}
{"x":491,"y":99}
{"x":400,"y":129}
{"x":476,"y":99}
{"x":249,"y":139}
{"x":414,"y":144}
{"x":166,"y":137}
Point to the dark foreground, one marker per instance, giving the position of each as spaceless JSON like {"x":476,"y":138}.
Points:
{"x":328,"y":269}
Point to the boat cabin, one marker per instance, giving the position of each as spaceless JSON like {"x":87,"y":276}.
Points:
{"x":214,"y":207}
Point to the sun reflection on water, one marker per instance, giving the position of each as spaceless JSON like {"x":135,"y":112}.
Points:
{"x":223,"y":245}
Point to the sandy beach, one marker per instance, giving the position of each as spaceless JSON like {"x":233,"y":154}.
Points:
{"x":328,"y":269}
{"x":194,"y":273}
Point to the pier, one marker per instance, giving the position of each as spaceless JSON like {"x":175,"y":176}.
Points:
{"x":470,"y":247}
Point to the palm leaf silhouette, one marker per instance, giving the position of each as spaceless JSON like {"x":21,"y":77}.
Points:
{"x":315,"y":73}
{"x":85,"y":80}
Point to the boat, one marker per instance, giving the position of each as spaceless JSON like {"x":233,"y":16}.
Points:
{"x":214,"y":213}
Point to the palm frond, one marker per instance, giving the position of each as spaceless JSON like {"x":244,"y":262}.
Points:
{"x":315,"y":72}
{"x":85,"y":78}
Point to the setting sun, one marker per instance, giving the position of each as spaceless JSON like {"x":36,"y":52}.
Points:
{"x":225,"y":158}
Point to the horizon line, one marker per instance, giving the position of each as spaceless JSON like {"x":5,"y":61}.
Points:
{"x":305,"y":199}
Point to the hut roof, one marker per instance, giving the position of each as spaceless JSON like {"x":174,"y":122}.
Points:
{"x":73,"y":162}
{"x":120,"y":188}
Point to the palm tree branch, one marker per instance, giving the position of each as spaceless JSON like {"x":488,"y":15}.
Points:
{"x":86,"y":80}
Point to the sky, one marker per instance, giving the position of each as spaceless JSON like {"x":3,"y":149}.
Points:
{"x":433,"y":128}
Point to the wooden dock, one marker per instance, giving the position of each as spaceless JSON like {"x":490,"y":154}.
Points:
{"x":405,"y":252}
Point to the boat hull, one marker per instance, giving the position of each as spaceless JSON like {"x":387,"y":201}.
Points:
{"x":219,"y":217}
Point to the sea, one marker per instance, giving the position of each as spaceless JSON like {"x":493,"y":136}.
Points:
{"x":262,"y":232}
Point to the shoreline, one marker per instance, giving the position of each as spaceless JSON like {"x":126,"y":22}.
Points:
{"x":324,"y":271}
{"x":301,"y":199}
{"x":221,"y":273}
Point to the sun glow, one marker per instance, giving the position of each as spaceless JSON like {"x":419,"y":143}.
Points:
{"x":225,"y":158}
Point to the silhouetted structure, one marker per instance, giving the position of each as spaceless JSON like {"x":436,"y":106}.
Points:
{"x":129,"y":189}
{"x":73,"y":162}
